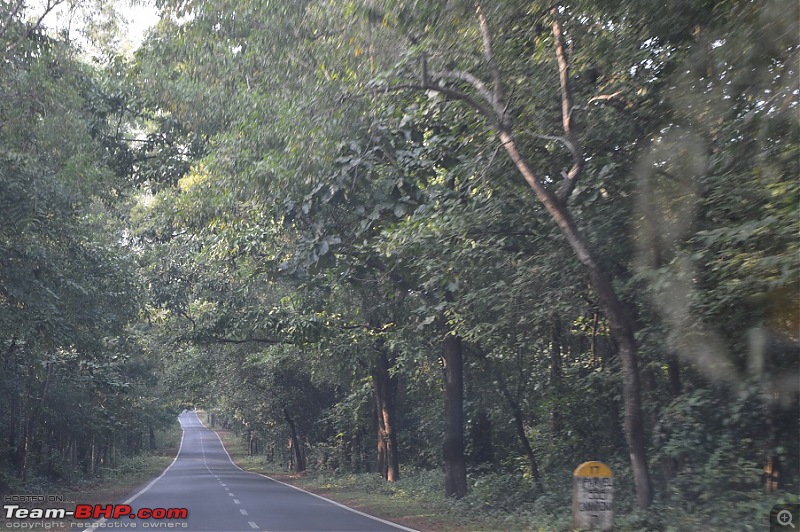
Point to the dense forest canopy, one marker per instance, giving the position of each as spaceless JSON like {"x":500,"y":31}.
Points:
{"x":495,"y":239}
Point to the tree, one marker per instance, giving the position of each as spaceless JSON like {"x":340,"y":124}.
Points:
{"x":356,"y":213}
{"x":68,"y":288}
{"x":489,"y":99}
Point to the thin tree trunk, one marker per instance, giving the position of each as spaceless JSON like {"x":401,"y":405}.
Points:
{"x":533,"y":466}
{"x":455,"y":466}
{"x":519,"y":427}
{"x":593,"y":342}
{"x":300,"y":463}
{"x":385,"y":387}
{"x":621,"y":328}
{"x":381,"y":439}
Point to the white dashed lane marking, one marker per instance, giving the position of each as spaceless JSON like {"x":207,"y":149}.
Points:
{"x":252,"y":524}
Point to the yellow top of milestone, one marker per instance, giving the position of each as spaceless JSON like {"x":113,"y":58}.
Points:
{"x":593,"y":469}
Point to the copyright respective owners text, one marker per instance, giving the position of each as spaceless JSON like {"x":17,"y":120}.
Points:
{"x":53,"y":512}
{"x":783,"y":517}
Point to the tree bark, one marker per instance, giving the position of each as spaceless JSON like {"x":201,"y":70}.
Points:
{"x":455,"y":466}
{"x":300,"y":463}
{"x":385,"y":387}
{"x":621,"y":327}
{"x":381,"y":439}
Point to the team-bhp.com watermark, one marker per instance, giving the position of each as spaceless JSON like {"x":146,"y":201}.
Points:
{"x":34,"y":515}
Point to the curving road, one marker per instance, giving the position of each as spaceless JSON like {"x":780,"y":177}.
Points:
{"x":222,"y":497}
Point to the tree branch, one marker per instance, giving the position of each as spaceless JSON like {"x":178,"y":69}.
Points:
{"x":452,"y":93}
{"x":497,"y":81}
{"x":497,"y":95}
{"x":563,"y":140}
{"x":578,"y":161}
{"x":470,"y":78}
{"x":50,"y":6}
{"x":603,"y":97}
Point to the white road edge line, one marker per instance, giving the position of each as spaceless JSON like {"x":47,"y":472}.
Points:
{"x":100,"y":523}
{"x":399,"y":527}
{"x":144,"y":490}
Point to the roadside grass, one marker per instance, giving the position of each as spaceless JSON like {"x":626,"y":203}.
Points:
{"x":109,"y":486}
{"x":415,"y":501}
{"x":499,"y":502}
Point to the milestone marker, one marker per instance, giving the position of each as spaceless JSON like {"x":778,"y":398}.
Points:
{"x":592,"y":497}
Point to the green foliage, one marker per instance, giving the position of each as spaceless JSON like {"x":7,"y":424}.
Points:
{"x":263,"y":201}
{"x":76,"y":383}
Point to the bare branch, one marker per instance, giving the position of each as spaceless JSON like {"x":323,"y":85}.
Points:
{"x":604,"y":97}
{"x":470,"y":78}
{"x":495,"y":111}
{"x":49,"y":7}
{"x":563,"y":140}
{"x":546,"y":197}
{"x":497,"y":81}
{"x":578,"y":161}
{"x":452,"y":93}
{"x":488,"y":54}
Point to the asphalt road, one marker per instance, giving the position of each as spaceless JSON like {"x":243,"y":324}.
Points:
{"x":222,"y":497}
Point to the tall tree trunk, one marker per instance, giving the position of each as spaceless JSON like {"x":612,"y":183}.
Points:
{"x":490,"y":102}
{"x":385,"y":387}
{"x":300,"y":463}
{"x":455,"y":466}
{"x":381,"y":439}
{"x":619,"y":323}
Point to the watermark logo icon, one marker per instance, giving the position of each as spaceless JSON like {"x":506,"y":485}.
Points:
{"x":783,"y":517}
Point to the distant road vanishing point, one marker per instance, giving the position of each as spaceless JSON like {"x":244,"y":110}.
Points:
{"x":221,"y":497}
